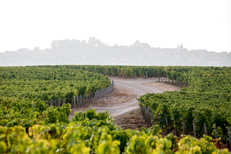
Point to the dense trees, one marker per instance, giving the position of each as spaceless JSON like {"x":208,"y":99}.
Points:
{"x":95,"y":52}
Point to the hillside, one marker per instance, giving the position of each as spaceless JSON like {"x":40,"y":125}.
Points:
{"x":95,"y":52}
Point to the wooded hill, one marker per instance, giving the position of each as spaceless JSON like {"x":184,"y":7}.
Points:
{"x":95,"y":52}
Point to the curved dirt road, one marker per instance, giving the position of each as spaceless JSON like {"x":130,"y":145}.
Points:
{"x":123,"y":98}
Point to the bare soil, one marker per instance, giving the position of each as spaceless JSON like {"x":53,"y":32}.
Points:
{"x":122,"y":102}
{"x":131,"y":120}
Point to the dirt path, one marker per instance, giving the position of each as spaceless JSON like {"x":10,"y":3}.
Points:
{"x":123,"y":99}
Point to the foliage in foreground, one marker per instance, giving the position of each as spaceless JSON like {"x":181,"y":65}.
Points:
{"x":91,"y":132}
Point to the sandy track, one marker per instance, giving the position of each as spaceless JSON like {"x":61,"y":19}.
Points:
{"x":123,"y":99}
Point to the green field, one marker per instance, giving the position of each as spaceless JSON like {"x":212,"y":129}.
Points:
{"x":29,"y":125}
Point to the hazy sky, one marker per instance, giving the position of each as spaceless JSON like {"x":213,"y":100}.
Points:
{"x":198,"y":24}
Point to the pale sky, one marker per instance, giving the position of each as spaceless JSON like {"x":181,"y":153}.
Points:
{"x":198,"y":24}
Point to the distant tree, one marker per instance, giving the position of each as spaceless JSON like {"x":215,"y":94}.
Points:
{"x":94,"y":42}
{"x":55,"y":44}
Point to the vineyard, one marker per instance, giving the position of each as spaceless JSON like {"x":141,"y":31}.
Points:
{"x":30,"y":124}
{"x":204,"y":107}
{"x":25,"y":92}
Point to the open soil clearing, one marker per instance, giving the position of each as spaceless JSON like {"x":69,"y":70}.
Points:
{"x":122,"y":103}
